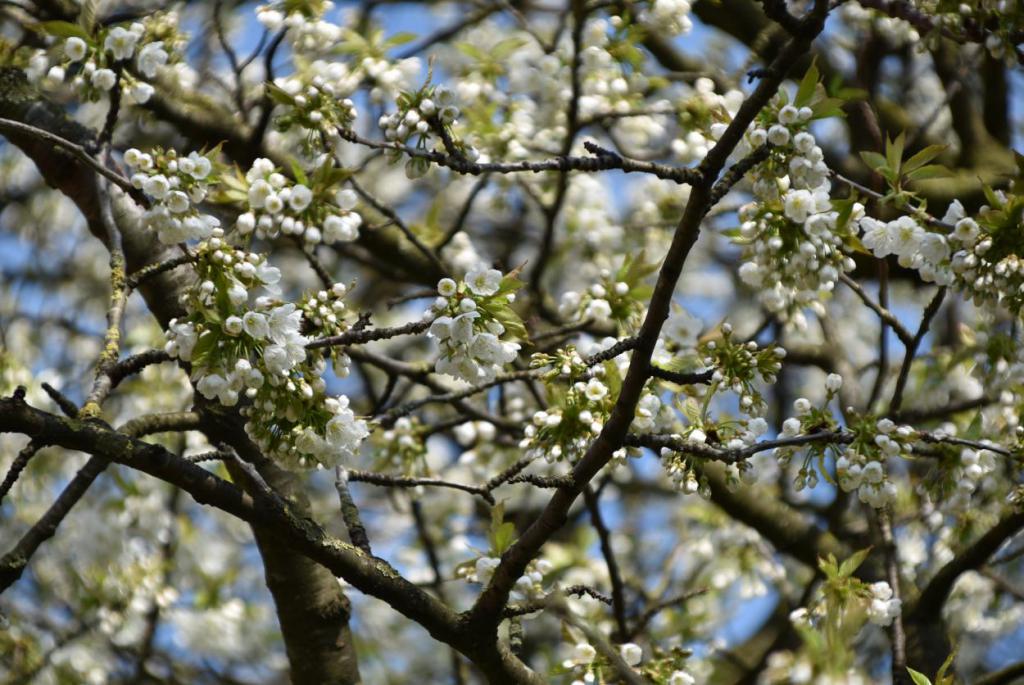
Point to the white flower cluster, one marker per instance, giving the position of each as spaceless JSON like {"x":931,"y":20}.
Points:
{"x":615,"y":298}
{"x":863,"y":469}
{"x":671,"y":17}
{"x":307,"y":31}
{"x":896,"y":31}
{"x":581,"y":404}
{"x":883,"y":608}
{"x":793,"y":254}
{"x":700,"y":134}
{"x":916,"y":248}
{"x":325,"y":310}
{"x":390,"y":78}
{"x":738,"y":365}
{"x":177,"y":185}
{"x":582,"y":664}
{"x":422,"y":115}
{"x":681,"y":329}
{"x":583,"y":654}
{"x":258,"y":351}
{"x":681,"y":678}
{"x":529,"y":111}
{"x":467,"y":326}
{"x":738,"y":436}
{"x":591,"y":304}
{"x":278,"y":206}
{"x":461,"y":253}
{"x":678,"y":340}
{"x":567,"y":430}
{"x":402,"y":447}
{"x":99,"y":56}
{"x":946,"y":17}
{"x":986,"y":261}
{"x":975,"y":465}
{"x":314,"y":103}
{"x":414,"y":119}
{"x":528,"y":586}
{"x":605,"y":85}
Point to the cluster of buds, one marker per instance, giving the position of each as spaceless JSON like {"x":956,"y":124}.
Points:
{"x":427,"y":116}
{"x":882,"y":606}
{"x":528,"y":586}
{"x":738,"y":366}
{"x":418,"y":113}
{"x":618,"y":297}
{"x":587,"y":666}
{"x":307,"y":30}
{"x":470,"y":320}
{"x":177,"y":185}
{"x":731,"y":435}
{"x":94,"y":59}
{"x":323,"y":315}
{"x":862,"y":465}
{"x":986,"y":260}
{"x":576,"y":413}
{"x":316,"y":107}
{"x":309,"y":208}
{"x":681,"y":470}
{"x":402,"y":447}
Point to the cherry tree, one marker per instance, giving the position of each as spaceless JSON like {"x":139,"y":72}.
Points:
{"x":516,"y":342}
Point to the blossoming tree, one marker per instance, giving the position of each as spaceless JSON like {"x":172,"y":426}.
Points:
{"x":571,"y":342}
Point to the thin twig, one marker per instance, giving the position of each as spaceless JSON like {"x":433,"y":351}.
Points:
{"x":618,"y":589}
{"x":74,"y":149}
{"x":901,"y":332}
{"x":605,"y":162}
{"x":926,"y":320}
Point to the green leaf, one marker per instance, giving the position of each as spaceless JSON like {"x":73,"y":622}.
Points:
{"x":808,"y":85}
{"x":847,"y":568}
{"x":991,"y":197}
{"x":298,"y":173}
{"x":62,"y":29}
{"x":470,"y":50}
{"x":829,"y":566}
{"x":513,"y":324}
{"x":829,"y":107}
{"x":922,"y":157}
{"x":874,"y":160}
{"x":635,"y":269}
{"x":691,"y":410}
{"x":854,"y":243}
{"x":973,"y":431}
{"x":353,"y":43}
{"x":278,"y":95}
{"x":894,"y":151}
{"x":399,"y":39}
{"x":929,"y":171}
{"x":204,"y":346}
{"x":941,"y":678}
{"x":505,"y":48}
{"x":509,"y":284}
{"x":918,"y":677}
{"x":87,"y":17}
{"x":501,"y":533}
{"x":504,"y":537}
